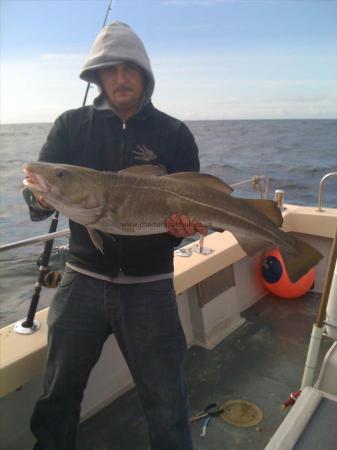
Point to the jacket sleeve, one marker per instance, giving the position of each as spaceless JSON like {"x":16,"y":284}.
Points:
{"x":55,"y":150}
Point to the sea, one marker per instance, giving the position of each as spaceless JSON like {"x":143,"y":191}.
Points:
{"x":293,"y":154}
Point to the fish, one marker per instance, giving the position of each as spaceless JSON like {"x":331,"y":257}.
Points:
{"x":138,"y":200}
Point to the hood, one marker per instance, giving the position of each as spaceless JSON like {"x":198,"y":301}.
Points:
{"x":114,"y":44}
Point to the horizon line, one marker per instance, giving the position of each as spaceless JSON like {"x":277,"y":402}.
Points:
{"x":199,"y":120}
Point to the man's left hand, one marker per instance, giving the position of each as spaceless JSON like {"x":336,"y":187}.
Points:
{"x":182,"y":226}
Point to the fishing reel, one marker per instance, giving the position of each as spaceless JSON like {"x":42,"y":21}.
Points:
{"x":51,"y":277}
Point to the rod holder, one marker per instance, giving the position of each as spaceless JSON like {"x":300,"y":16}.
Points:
{"x":279,"y":198}
{"x":20,"y":327}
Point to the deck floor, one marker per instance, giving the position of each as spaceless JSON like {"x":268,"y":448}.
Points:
{"x":261,"y":362}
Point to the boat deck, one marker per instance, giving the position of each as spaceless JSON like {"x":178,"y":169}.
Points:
{"x":261,"y":362}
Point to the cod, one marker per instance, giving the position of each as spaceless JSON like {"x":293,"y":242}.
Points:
{"x":137,"y":201}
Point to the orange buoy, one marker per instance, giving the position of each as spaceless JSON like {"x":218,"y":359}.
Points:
{"x":275,"y":277}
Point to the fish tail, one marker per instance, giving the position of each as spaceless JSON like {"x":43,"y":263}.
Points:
{"x":298,"y":263}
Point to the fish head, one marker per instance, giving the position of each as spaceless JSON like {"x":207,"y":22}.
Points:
{"x":69,"y":189}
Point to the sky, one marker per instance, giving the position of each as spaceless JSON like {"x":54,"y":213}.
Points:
{"x":212,"y":59}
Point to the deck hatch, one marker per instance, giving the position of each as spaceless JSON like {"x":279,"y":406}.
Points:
{"x":241,"y":413}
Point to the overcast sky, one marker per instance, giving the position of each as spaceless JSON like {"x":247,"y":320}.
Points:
{"x":212,"y":59}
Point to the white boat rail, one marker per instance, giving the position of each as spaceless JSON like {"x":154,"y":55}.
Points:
{"x":36,"y":239}
{"x":321,"y":189}
{"x":255,"y":183}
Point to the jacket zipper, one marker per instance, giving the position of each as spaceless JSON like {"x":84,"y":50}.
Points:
{"x":123,"y":145}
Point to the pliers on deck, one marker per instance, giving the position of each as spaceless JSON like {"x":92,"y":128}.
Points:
{"x":207,"y":413}
{"x":211,"y":410}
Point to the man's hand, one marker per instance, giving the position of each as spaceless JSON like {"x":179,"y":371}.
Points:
{"x":181,"y":226}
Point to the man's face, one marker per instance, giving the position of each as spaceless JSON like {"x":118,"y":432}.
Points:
{"x":123,"y":84}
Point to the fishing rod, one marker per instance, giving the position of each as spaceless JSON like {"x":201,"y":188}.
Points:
{"x":104,"y":23}
{"x":29,"y":325}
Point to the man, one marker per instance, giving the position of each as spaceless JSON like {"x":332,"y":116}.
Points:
{"x":127,"y":291}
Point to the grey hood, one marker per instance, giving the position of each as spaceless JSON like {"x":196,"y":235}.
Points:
{"x":114,"y":44}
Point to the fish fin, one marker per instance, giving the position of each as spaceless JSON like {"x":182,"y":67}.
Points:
{"x":144,"y":170}
{"x":268,"y":208}
{"x":96,"y":239}
{"x":84,"y":216}
{"x":250,"y":245}
{"x":203,"y":179}
{"x":304,"y":258}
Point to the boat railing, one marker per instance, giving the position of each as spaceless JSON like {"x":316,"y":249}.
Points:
{"x":36,"y":239}
{"x":321,"y":189}
{"x":259,"y":183}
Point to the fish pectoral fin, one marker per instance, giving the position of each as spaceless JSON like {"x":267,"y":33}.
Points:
{"x":96,"y":239}
{"x":144,"y":170}
{"x":304,"y":258}
{"x":203,"y":179}
{"x":84,"y":216}
{"x":268,"y":208}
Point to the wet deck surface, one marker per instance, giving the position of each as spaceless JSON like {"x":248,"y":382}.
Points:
{"x":261,"y":362}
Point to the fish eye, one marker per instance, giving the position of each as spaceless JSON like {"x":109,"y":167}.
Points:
{"x":59,"y":173}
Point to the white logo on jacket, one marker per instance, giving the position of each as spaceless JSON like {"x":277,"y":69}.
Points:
{"x":143,"y":153}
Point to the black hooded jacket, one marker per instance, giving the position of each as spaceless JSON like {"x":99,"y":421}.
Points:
{"x":98,"y":139}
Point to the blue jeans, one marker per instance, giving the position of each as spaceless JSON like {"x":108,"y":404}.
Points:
{"x":145,"y":321}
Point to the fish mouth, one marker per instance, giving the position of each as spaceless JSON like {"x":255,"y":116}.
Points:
{"x":34,"y":181}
